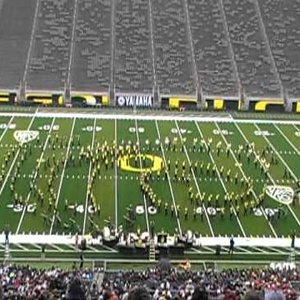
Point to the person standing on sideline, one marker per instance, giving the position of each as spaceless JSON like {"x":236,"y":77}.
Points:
{"x":81,"y":261}
{"x":6,"y":233}
{"x":231,"y":246}
{"x":76,"y":240}
{"x":293,"y":237}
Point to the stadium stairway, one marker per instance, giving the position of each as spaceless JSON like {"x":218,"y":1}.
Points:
{"x":7,"y":256}
{"x":152,"y":250}
{"x":98,"y":279}
{"x":292,"y":256}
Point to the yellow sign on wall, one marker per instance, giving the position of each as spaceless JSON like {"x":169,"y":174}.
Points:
{"x":262,"y":104}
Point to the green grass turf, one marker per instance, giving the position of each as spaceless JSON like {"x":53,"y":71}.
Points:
{"x":115,"y":189}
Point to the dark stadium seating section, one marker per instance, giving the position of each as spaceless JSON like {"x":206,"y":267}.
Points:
{"x":175,"y":47}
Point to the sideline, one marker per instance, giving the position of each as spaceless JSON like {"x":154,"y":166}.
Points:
{"x":148,"y":117}
{"x":283,"y":242}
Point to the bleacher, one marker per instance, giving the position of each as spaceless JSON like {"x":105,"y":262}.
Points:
{"x":255,"y":66}
{"x":215,"y":62}
{"x":133,"y":61}
{"x":224,"y":50}
{"x":24,"y":282}
{"x":50,"y":52}
{"x":92,"y":54}
{"x":281,"y":19}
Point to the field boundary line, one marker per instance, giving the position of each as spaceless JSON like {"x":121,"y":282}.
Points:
{"x":14,"y":160}
{"x":35,"y":175}
{"x":203,"y":118}
{"x":220,"y":179}
{"x":243,"y":173}
{"x":62,"y":174}
{"x":168,"y":175}
{"x":203,"y":242}
{"x":88,"y":181}
{"x":196,"y":182}
{"x":145,"y":261}
{"x":269,"y":175}
{"x":145,"y":201}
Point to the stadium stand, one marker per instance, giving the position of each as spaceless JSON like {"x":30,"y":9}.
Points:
{"x":281,"y":23}
{"x":49,"y":59}
{"x":178,"y":49}
{"x":16,"y":21}
{"x":92,"y":55}
{"x":173,"y":56}
{"x":257,"y":74}
{"x":215,"y":65}
{"x":133,"y":62}
{"x":25,"y":282}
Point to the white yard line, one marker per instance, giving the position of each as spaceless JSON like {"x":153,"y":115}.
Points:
{"x":88,"y":181}
{"x":22,"y":247}
{"x":6,"y":128}
{"x":242,"y":171}
{"x":63,"y":173}
{"x":259,"y":250}
{"x":196,"y":182}
{"x":145,"y":202}
{"x":92,"y":248}
{"x":73,"y":248}
{"x":277,"y":250}
{"x":108,"y":249}
{"x":297,"y":129}
{"x":210,"y":250}
{"x":14,"y":161}
{"x":220,"y":179}
{"x":116,"y":176}
{"x":243,"y":250}
{"x":56,"y":247}
{"x":169,"y":179}
{"x":35,"y":176}
{"x":289,"y":142}
{"x":269,"y":175}
{"x":277,"y":153}
{"x":193,"y":250}
{"x":36,"y":246}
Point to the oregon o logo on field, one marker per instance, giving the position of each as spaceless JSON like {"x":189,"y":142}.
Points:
{"x":124,"y":163}
{"x":280,"y":193}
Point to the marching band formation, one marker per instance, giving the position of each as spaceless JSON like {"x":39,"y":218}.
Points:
{"x":105,"y":156}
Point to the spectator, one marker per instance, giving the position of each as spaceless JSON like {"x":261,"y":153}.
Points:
{"x":138,"y":293}
{"x":252,"y":295}
{"x":274,"y":295}
{"x":24,"y":282}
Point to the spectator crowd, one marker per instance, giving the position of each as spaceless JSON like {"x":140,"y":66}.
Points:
{"x":25,"y":282}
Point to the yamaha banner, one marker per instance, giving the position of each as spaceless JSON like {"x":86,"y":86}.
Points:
{"x":135,"y":100}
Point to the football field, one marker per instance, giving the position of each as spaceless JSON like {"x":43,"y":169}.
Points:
{"x":76,"y":174}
